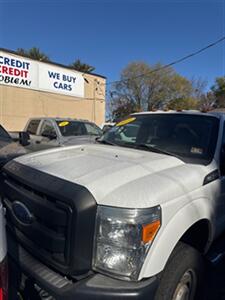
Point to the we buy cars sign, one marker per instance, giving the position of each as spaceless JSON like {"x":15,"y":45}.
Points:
{"x":31,"y":74}
{"x":59,"y":80}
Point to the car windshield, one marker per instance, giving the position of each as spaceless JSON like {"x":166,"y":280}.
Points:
{"x":75,"y":128}
{"x":192,"y":138}
{"x":4,"y":134}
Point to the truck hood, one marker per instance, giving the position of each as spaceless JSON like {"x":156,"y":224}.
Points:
{"x":10,"y":150}
{"x":120,"y":176}
{"x":78,"y":140}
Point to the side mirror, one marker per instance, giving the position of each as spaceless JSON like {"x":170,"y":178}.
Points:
{"x":48,"y":134}
{"x":24,"y":138}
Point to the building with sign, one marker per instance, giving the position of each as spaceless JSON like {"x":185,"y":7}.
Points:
{"x":30,"y":88}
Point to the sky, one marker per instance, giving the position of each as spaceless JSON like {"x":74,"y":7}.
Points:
{"x":109,"y":34}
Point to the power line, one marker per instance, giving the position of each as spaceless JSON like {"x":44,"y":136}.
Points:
{"x":172,"y":63}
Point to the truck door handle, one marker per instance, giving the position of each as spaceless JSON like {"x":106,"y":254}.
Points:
{"x":38,"y":142}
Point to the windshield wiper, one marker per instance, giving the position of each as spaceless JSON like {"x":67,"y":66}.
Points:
{"x":154,"y":149}
{"x":139,"y":146}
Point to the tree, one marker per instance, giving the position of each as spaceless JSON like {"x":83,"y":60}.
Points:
{"x":121,"y":108}
{"x":219,"y":91}
{"x":147,"y":87}
{"x":21,"y":51}
{"x":185,"y":103}
{"x":207,"y":101}
{"x":179,"y":93}
{"x":199,"y":86}
{"x":82,"y":67}
{"x":34,"y":53}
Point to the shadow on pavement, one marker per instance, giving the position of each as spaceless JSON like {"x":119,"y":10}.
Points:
{"x":215,"y":283}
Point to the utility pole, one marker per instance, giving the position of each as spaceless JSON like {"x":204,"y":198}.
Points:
{"x":94,"y":103}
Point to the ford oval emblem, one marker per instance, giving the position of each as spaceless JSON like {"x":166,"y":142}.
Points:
{"x":22,"y":213}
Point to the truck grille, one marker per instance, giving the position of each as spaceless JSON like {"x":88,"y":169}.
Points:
{"x":63,"y":217}
{"x":50,"y":231}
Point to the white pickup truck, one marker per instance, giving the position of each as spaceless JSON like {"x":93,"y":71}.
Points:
{"x":130,"y":217}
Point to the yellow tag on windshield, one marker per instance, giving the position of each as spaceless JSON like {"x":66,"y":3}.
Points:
{"x":125,"y":122}
{"x":64,"y":123}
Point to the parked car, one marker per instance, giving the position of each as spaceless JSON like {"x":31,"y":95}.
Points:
{"x":56,"y":132}
{"x":11,"y":148}
{"x":132,"y":217}
{"x":3,"y":258}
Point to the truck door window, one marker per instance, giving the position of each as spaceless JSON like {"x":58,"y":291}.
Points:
{"x":92,"y":129}
{"x":33,"y":126}
{"x":48,"y":129}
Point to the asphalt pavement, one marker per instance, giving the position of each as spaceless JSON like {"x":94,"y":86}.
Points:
{"x":215,"y":282}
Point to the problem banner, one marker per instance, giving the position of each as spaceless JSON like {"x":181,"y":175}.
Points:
{"x":26,"y":73}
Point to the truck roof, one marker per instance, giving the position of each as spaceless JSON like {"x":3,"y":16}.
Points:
{"x":214,"y":113}
{"x":60,"y":119}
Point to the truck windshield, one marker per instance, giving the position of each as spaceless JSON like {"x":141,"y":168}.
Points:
{"x":190,"y":137}
{"x":75,"y":128}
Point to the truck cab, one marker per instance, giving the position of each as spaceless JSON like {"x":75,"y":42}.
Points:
{"x":132,"y":216}
{"x":48,"y":133}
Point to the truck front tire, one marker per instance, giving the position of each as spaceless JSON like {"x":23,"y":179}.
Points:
{"x":183,"y":274}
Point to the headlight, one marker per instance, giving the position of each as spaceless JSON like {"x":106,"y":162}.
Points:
{"x":122,"y":239}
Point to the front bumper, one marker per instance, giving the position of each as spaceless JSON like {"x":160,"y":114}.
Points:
{"x":95,"y":287}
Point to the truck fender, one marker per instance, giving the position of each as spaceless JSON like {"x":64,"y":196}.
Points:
{"x":171,"y":232}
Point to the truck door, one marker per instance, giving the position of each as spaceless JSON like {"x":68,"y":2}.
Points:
{"x":220,"y":213}
{"x":47,"y":136}
{"x":32,"y":129}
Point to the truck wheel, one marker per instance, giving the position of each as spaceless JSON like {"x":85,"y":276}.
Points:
{"x":183,"y":274}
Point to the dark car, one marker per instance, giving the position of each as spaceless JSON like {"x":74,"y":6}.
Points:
{"x":11,"y":147}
